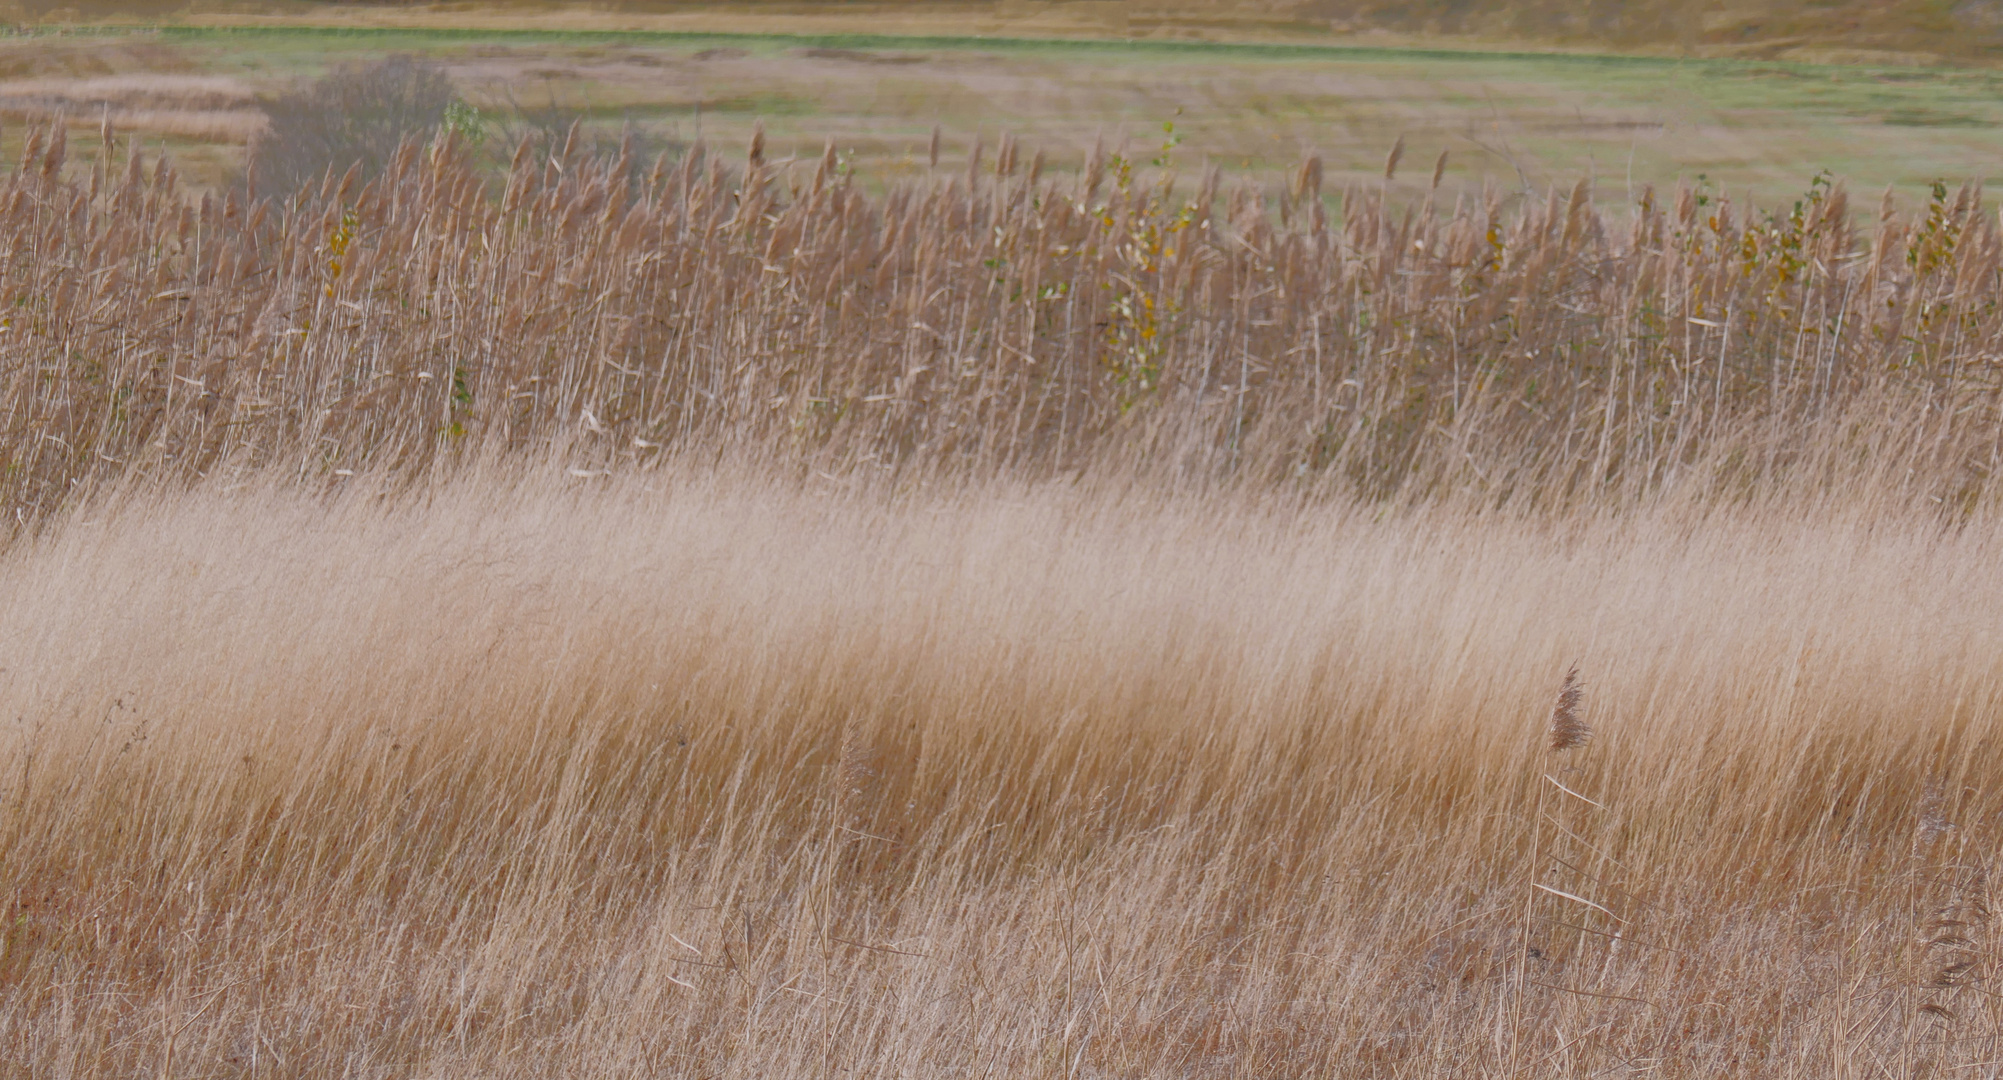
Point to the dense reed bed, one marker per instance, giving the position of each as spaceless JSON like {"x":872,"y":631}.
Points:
{"x":992,"y":318}
{"x":716,"y":622}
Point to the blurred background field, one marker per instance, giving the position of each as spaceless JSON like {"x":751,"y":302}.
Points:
{"x":1757,"y":111}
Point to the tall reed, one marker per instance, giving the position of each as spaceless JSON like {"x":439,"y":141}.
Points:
{"x":1225,"y":331}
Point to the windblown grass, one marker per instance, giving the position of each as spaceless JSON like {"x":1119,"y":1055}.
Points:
{"x":712,"y":774}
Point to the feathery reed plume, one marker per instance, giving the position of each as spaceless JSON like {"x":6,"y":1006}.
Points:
{"x":1951,"y":903}
{"x":756,"y":156}
{"x":1307,"y":179}
{"x":827,"y":168}
{"x":932,"y":149}
{"x":1391,"y":162}
{"x":1567,"y":730}
{"x":1933,"y":823}
{"x":1439,"y":169}
{"x":1094,"y":171}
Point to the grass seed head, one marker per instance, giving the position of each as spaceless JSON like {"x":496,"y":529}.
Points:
{"x":1567,"y":729}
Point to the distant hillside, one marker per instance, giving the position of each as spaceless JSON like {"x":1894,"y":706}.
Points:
{"x":1920,"y":31}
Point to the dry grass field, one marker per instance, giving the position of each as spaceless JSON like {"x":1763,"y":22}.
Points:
{"x":1755,"y":126}
{"x":702,"y":772}
{"x":715,"y":617}
{"x":1911,"y":30}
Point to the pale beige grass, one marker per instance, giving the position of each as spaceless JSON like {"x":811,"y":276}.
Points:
{"x":148,"y":90}
{"x":206,"y":108}
{"x":698,"y":772}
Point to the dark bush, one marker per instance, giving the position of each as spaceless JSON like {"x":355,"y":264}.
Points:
{"x":353,"y":114}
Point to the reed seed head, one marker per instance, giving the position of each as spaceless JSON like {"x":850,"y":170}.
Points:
{"x":1567,"y":730}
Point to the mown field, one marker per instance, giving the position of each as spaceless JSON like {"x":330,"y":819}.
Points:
{"x":703,"y":608}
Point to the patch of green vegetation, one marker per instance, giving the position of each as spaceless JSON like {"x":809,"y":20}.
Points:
{"x":1934,"y":118}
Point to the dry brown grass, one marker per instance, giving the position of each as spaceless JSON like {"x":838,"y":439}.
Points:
{"x":991,"y":317}
{"x":706,"y":773}
{"x":742,"y":627}
{"x":205,"y":108}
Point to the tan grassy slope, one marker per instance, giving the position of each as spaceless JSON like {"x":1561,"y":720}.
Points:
{"x":698,"y":774}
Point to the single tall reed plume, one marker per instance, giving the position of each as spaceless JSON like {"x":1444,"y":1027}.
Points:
{"x":1567,"y":729}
